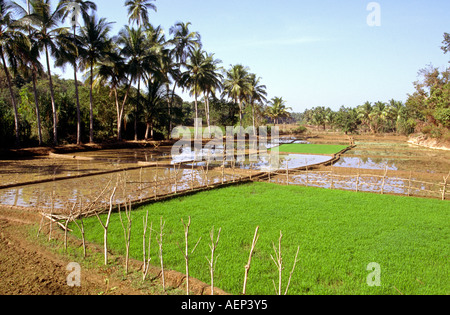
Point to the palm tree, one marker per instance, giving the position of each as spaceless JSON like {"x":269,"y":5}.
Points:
{"x":138,"y":11}
{"x":196,"y":67}
{"x":184,"y":42}
{"x":257,"y":95}
{"x":30,"y":65}
{"x":8,"y":44}
{"x":211,"y":82}
{"x":319,"y":117}
{"x":154,"y":102}
{"x":378,"y":116}
{"x":134,"y":48}
{"x":95,"y":41}
{"x":169,"y":71}
{"x":394,"y":112}
{"x":364,"y":112}
{"x":72,"y":9}
{"x":277,"y":109}
{"x":237,"y":86}
{"x":113,"y":70}
{"x":45,"y":31}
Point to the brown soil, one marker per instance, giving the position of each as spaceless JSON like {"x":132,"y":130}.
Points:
{"x":27,"y":268}
{"x":30,"y":267}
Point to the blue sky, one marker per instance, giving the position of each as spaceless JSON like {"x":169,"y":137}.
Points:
{"x":314,"y":52}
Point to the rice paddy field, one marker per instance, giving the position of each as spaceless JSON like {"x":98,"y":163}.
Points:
{"x":339,"y":234}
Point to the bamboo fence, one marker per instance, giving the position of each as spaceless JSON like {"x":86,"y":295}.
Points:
{"x":382,"y":184}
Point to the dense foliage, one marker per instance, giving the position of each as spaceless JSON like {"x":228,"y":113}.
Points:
{"x":130,"y":78}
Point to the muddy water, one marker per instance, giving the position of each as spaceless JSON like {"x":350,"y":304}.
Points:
{"x":375,"y":156}
{"x":371,"y":156}
{"x":135,"y":185}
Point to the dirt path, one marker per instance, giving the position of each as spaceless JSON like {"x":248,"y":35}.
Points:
{"x":27,"y":268}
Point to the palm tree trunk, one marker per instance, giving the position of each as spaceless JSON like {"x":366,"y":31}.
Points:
{"x":169,"y":127}
{"x":119,"y":120}
{"x":136,"y":110}
{"x":76,"y":95}
{"x":196,"y":106}
{"x":253,"y":117}
{"x":52,"y":96}
{"x":38,"y":115}
{"x":240,"y":113}
{"x":91,"y":105}
{"x":207,"y":111}
{"x":13,"y":99}
{"x":147,"y":130}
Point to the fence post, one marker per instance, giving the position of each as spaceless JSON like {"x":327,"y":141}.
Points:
{"x":223,"y":170}
{"x":445,"y":186}
{"x":409,"y":184}
{"x":384,"y":179}
{"x":176,"y":183}
{"x":192,"y":176}
{"x":357,"y":182}
{"x":287,"y":173}
{"x":331,"y":179}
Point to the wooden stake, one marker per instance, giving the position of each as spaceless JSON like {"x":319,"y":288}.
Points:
{"x":192,"y":176}
{"x":409,"y":184}
{"x":279,"y":263}
{"x":287,"y":173}
{"x":105,"y":226}
{"x":223,"y":171}
{"x":160,"y":243}
{"x":384,"y":179}
{"x":445,"y":186}
{"x":212,"y":262}
{"x":186,"y":253}
{"x":247,"y":267}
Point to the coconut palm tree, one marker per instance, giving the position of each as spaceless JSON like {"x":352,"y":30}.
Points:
{"x":113,"y":71}
{"x":210,"y":82}
{"x":257,"y":94}
{"x":196,"y":68}
{"x":154,"y":102}
{"x":136,"y":51}
{"x":9,"y":39}
{"x":30,"y":65}
{"x":277,"y":109}
{"x":45,"y":28}
{"x":394,"y":113}
{"x":138,"y":11}
{"x":184,"y":42}
{"x":378,"y":116}
{"x":169,"y":72}
{"x":95,"y":41}
{"x":237,"y":86}
{"x":364,"y":112}
{"x":72,"y":10}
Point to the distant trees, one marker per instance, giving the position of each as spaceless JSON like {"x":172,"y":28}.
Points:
{"x":378,"y":117}
{"x":277,"y":109}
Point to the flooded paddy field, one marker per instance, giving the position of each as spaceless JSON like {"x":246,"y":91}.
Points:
{"x":144,"y":173}
{"x":380,"y":165}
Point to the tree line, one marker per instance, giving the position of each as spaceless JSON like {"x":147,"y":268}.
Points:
{"x":426,"y":110}
{"x":130,"y":79}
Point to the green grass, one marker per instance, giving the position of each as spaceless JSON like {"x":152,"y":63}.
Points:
{"x":311,"y":148}
{"x":339,"y":234}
